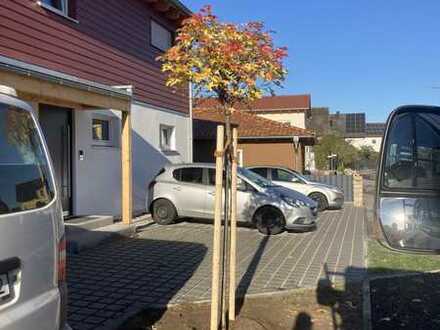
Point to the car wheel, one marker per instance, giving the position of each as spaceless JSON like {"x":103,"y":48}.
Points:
{"x":320,"y":199}
{"x":164,"y":212}
{"x":269,"y":221}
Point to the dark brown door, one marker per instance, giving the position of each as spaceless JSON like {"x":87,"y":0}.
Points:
{"x":56,"y":123}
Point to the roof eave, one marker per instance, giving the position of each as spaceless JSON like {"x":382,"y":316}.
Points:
{"x":181,"y":6}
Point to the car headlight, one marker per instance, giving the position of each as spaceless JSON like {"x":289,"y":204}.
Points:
{"x":293,"y":201}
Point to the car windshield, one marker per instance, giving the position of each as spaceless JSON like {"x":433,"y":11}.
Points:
{"x":255,"y":178}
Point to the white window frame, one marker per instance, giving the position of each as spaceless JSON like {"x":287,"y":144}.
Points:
{"x":112,"y":127}
{"x":64,"y":12}
{"x":171,"y":146}
{"x":158,"y":31}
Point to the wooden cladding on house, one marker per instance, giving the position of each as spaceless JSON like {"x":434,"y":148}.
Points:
{"x":110,"y":44}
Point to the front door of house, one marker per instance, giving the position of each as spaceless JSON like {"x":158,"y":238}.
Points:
{"x":56,"y":123}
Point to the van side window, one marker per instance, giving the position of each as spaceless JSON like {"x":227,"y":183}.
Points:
{"x":189,"y":175}
{"x":25,"y":181}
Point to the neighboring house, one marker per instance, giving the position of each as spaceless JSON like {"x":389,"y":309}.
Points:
{"x":371,"y":138}
{"x":294,"y":110}
{"x":352,"y":126}
{"x":319,"y":120}
{"x":288,"y":109}
{"x":83,"y":64}
{"x":261,"y":141}
{"x":345,"y":124}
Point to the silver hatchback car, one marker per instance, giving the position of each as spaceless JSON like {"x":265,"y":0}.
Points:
{"x":187,"y":190}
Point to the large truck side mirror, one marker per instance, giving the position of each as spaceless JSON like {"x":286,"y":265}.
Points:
{"x":407,"y":201}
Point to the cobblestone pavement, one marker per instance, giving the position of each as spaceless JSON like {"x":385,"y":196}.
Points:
{"x":172,"y":264}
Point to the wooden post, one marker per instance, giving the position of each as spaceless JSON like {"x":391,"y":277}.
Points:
{"x":233,"y":250}
{"x":127,"y":200}
{"x":216,"y":245}
{"x":358,"y":190}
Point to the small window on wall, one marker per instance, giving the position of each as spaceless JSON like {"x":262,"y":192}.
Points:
{"x":167,"y":138}
{"x":105,"y":130}
{"x":161,"y":38}
{"x":101,"y":130}
{"x":59,"y":5}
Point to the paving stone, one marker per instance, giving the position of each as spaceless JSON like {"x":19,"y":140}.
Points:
{"x":169,"y":264}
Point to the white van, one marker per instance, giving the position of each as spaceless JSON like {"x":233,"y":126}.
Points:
{"x":32,"y":242}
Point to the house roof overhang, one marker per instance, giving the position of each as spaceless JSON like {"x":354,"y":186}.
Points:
{"x":36,"y":82}
{"x":174,"y":10}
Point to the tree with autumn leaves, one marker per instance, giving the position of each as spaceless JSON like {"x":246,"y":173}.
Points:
{"x":231,"y":63}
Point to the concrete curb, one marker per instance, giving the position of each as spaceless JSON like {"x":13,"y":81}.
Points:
{"x":79,"y":239}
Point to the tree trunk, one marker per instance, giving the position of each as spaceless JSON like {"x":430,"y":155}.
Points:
{"x":227,"y":218}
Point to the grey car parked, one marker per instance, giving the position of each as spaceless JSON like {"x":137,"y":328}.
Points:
{"x":187,"y":190}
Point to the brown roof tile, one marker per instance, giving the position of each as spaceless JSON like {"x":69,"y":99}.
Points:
{"x":249,"y":125}
{"x":267,"y":103}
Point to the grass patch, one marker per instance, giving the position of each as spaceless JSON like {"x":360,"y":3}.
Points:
{"x":383,"y":260}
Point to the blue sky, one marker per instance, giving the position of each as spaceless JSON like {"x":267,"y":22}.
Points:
{"x":351,"y":55}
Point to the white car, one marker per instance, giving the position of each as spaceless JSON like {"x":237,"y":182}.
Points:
{"x":326,"y":196}
{"x":32,"y":242}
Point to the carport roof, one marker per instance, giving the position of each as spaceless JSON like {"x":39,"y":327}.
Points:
{"x":249,"y":125}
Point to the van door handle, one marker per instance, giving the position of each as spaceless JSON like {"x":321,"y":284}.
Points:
{"x":211,"y":193}
{"x":177,"y":189}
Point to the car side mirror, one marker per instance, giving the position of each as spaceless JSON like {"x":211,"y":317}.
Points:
{"x":241,"y":186}
{"x":407,"y":199}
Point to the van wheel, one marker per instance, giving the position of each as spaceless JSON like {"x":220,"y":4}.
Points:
{"x":164,"y":212}
{"x":320,"y":199}
{"x":269,"y":221}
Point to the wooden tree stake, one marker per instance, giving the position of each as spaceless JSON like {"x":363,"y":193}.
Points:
{"x":233,"y":250}
{"x":216,"y":253}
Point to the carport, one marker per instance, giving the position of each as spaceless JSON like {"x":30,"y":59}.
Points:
{"x":35,"y":85}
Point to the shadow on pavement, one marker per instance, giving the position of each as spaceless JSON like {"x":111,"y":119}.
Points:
{"x":119,"y":278}
{"x":247,"y":277}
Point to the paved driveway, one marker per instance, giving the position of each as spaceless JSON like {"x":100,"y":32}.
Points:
{"x":172,"y":264}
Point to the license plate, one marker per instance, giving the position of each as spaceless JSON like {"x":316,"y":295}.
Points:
{"x":4,"y":287}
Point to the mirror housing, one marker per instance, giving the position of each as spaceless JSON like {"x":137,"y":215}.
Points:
{"x":241,"y":185}
{"x":407,"y":199}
